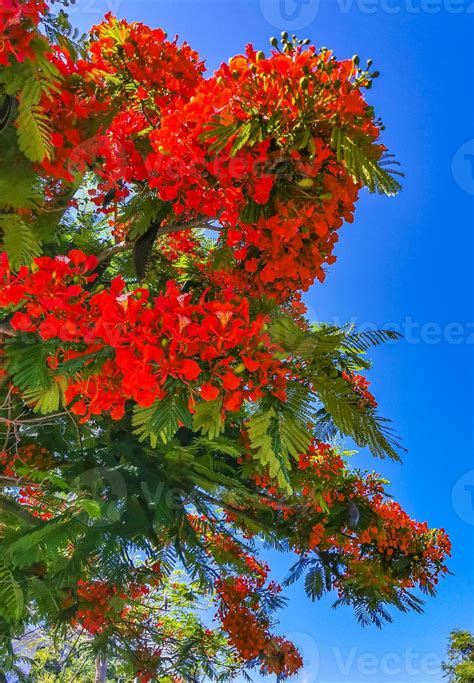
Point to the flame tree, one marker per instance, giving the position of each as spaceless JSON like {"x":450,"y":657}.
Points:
{"x":165,"y":403}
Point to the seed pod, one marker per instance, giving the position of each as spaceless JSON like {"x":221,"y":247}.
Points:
{"x":354,"y":514}
{"x":304,"y":82}
{"x":306,"y":182}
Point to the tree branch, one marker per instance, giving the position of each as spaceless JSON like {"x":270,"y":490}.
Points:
{"x":164,"y":230}
{"x":7,"y":331}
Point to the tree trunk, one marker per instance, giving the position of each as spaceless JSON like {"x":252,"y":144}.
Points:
{"x":100,"y":668}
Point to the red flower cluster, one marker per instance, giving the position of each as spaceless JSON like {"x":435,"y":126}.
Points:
{"x":95,"y":612}
{"x":306,"y":192}
{"x":249,"y":632}
{"x":102,"y":604}
{"x":211,"y":348}
{"x":240,"y":602}
{"x":17,"y":19}
{"x":326,"y":491}
{"x":250,"y":150}
{"x":16,"y":466}
{"x":134,"y":75}
{"x":360,"y":385}
{"x":249,"y":147}
{"x":392,"y":532}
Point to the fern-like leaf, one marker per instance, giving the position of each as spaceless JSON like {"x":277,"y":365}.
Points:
{"x":266,"y":444}
{"x":208,"y":418}
{"x":11,"y":595}
{"x":19,"y":240}
{"x":45,"y":401}
{"x":376,"y":175}
{"x":34,"y":133}
{"x":161,"y":420}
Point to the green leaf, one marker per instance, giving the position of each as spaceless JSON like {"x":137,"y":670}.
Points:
{"x":362,"y":167}
{"x":27,"y":365}
{"x":208,"y":418}
{"x":19,"y":240}
{"x":362,"y":341}
{"x":18,"y":188}
{"x":11,"y":595}
{"x":328,"y":350}
{"x":161,"y":420}
{"x":91,"y":507}
{"x":47,"y":400}
{"x":361,"y":424}
{"x":266,"y":444}
{"x":314,"y":584}
{"x":294,"y":437}
{"x":33,"y":129}
{"x":31,"y":546}
{"x":141,"y":211}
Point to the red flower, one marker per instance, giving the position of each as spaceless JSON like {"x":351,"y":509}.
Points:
{"x":209,"y":392}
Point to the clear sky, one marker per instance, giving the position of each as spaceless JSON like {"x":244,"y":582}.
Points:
{"x":406,"y":262}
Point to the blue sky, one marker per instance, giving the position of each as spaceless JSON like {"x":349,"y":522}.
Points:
{"x":404,"y":262}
